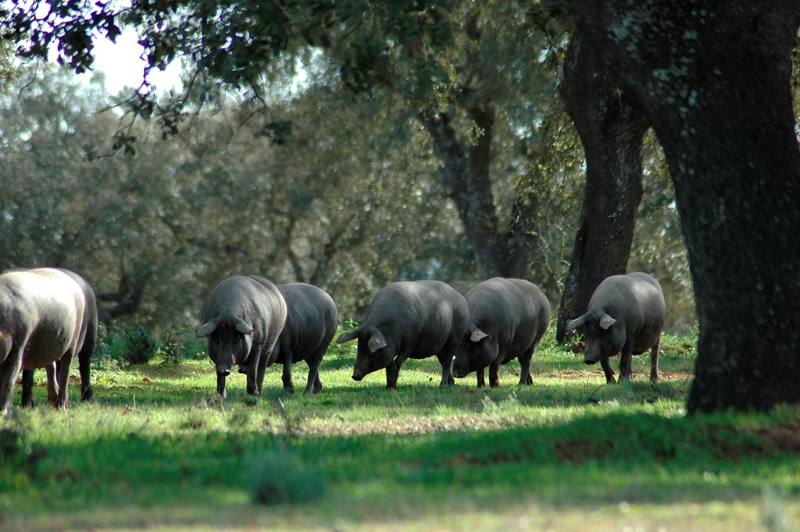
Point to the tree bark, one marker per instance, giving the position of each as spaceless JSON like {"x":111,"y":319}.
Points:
{"x":127,"y":298}
{"x":611,"y":127}
{"x":465,"y":173}
{"x":715,"y":84}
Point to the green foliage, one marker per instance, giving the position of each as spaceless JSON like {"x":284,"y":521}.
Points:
{"x":279,"y":477}
{"x":123,"y":344}
{"x":181,"y":344}
{"x":141,"y":345}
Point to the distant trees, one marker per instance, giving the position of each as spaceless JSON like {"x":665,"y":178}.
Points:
{"x":471,"y":90}
{"x":348,"y":205}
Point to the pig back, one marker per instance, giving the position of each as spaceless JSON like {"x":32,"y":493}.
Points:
{"x":48,"y":306}
{"x":636,"y":299}
{"x":421,"y":316}
{"x":514,"y":311}
{"x":310,"y":319}
{"x":255,"y":300}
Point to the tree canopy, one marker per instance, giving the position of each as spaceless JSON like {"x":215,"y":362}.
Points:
{"x":435,"y":139}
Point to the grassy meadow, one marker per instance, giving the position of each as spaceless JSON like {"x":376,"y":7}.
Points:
{"x":156,"y":449}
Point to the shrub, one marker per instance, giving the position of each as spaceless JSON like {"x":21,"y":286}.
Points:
{"x":278,"y":477}
{"x":122,"y":344}
{"x":179,"y":345}
{"x":337,"y":350}
{"x":141,"y":345}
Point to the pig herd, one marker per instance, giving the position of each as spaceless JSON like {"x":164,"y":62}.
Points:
{"x":49,"y":315}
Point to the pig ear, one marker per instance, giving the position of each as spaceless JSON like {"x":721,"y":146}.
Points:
{"x":376,"y":341}
{"x":606,"y":321}
{"x":477,"y":335}
{"x":348,"y":336}
{"x":209,"y":327}
{"x":242,"y":326}
{"x":577,"y":322}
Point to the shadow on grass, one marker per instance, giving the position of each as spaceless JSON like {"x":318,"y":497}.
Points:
{"x":587,"y":461}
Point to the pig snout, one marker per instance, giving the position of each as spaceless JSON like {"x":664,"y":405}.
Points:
{"x":460,"y":372}
{"x":591,"y":354}
{"x":224,"y":372}
{"x":357,"y":376}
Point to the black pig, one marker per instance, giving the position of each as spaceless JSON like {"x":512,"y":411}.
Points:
{"x":242,"y":318}
{"x":310,"y":327}
{"x":626,"y":314}
{"x":410,"y":319}
{"x":507,"y":319}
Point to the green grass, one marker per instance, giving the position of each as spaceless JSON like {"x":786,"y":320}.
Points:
{"x":156,"y":449}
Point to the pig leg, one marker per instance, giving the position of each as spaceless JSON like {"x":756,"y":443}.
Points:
{"x":446,"y":361}
{"x":52,"y":383}
{"x":608,"y":371}
{"x":313,"y":375}
{"x":62,"y":400}
{"x":288,"y":387}
{"x":84,"y":366}
{"x":494,"y":378}
{"x":263,"y":362}
{"x":252,"y":375}
{"x":393,"y":371}
{"x":27,"y":388}
{"x":525,"y":378}
{"x":481,"y":381}
{"x":654,"y":363}
{"x":221,"y":385}
{"x":625,"y":364}
{"x":8,"y":374}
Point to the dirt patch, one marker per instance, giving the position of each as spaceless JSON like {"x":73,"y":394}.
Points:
{"x":495,"y":459}
{"x":782,"y":439}
{"x":670,"y":376}
{"x":756,"y":442}
{"x":577,"y":451}
{"x":67,"y":473}
{"x":675,"y":375}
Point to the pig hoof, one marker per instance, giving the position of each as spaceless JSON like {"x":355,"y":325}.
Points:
{"x":87,"y":394}
{"x":27,"y":404}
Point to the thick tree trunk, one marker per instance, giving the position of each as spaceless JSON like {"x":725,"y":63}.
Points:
{"x":714,"y":83}
{"x":465,"y":173}
{"x":612,"y":129}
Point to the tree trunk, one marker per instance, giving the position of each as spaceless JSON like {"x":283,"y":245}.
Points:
{"x":715,"y":84}
{"x":611,"y":128}
{"x":465,"y":173}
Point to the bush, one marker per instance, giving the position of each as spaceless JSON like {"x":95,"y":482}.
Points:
{"x":348,"y":350}
{"x":278,"y":477}
{"x":141,"y":345}
{"x":181,"y":345}
{"x":132,"y":345}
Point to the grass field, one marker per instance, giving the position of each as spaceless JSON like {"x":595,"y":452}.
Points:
{"x":155,"y":449}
